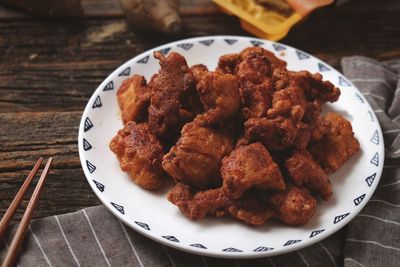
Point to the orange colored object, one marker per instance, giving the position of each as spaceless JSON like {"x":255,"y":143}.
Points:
{"x":268,"y":23}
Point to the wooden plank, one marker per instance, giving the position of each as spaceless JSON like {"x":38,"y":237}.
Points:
{"x":24,"y":137}
{"x":112,"y":8}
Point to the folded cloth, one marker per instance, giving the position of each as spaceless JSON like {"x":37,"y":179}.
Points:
{"x":372,"y":238}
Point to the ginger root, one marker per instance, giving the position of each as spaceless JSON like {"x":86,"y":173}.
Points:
{"x":149,"y":15}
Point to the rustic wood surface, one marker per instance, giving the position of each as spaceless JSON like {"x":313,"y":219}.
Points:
{"x":50,"y":67}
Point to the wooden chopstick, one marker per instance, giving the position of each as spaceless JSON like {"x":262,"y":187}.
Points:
{"x":5,"y":221}
{"x":23,"y":226}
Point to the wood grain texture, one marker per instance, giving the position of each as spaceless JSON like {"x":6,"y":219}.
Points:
{"x":50,"y":67}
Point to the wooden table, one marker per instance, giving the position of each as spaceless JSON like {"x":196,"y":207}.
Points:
{"x":50,"y":68}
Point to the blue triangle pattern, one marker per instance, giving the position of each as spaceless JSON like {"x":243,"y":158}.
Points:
{"x":109,"y":86}
{"x":340,"y":217}
{"x":302,"y":55}
{"x":125,"y":72}
{"x":143,"y":225}
{"x":375,"y":138}
{"x":358,"y":200}
{"x":97,"y":102}
{"x":359,"y":98}
{"x":232,"y":250}
{"x":86,"y":145}
{"x":143,"y":60}
{"x":256,"y":43}
{"x":262,"y":249}
{"x":278,"y":47}
{"x":118,"y":207}
{"x":207,"y":42}
{"x":170,"y":238}
{"x":316,"y":232}
{"x":322,"y":67}
{"x":88,"y":125}
{"x":370,"y":115}
{"x":100,"y":186}
{"x":370,"y":179}
{"x":165,"y":50}
{"x":291,"y":242}
{"x":90,"y":166}
{"x":198,"y":246}
{"x":185,"y":46}
{"x":343,"y":82}
{"x":375,"y":159}
{"x":230,"y":41}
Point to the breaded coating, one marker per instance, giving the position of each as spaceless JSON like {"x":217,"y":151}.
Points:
{"x":170,"y":87}
{"x":252,"y":52}
{"x":255,"y":67}
{"x":295,"y":205}
{"x":337,"y":145}
{"x":140,"y":154}
{"x":227,"y":63}
{"x":251,"y":210}
{"x":134,"y":99}
{"x":303,"y":170}
{"x":289,"y":102}
{"x":256,"y":98}
{"x":198,"y":71}
{"x":247,"y":167}
{"x":219,"y":94}
{"x":314,"y":87}
{"x":197,"y":204}
{"x":274,"y":134}
{"x":196,"y":157}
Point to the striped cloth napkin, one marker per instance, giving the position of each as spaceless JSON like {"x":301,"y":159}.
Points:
{"x":372,"y":238}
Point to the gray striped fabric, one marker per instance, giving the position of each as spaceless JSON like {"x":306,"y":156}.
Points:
{"x":372,"y":239}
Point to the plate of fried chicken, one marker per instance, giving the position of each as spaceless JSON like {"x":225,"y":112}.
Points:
{"x":231,"y":146}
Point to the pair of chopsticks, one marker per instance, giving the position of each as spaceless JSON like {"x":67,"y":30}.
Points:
{"x":23,"y":226}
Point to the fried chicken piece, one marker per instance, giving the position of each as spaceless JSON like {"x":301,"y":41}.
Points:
{"x":314,"y":87}
{"x":171,"y":87}
{"x":251,"y":210}
{"x":336,"y":146}
{"x":295,"y":205}
{"x":255,"y":67}
{"x":303,"y":170}
{"x":274,"y":134}
{"x":196,"y":205}
{"x":196,"y":157}
{"x":252,"y":52}
{"x":134,"y":99}
{"x":256,"y":98}
{"x":199,"y":71}
{"x":247,"y":167}
{"x":219,"y":94}
{"x":289,"y":102}
{"x":227,"y":63}
{"x":140,"y":154}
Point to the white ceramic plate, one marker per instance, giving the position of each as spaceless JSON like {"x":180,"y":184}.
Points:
{"x":152,"y":215}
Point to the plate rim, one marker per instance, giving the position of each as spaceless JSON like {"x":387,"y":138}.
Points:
{"x":221,"y":254}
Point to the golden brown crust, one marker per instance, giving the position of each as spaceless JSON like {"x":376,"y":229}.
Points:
{"x":295,"y":205}
{"x":196,"y":157}
{"x":247,"y":167}
{"x":140,"y":154}
{"x":337,"y":145}
{"x":134,"y":99}
{"x":303,"y":170}
{"x":219,"y":94}
{"x":170,"y":86}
